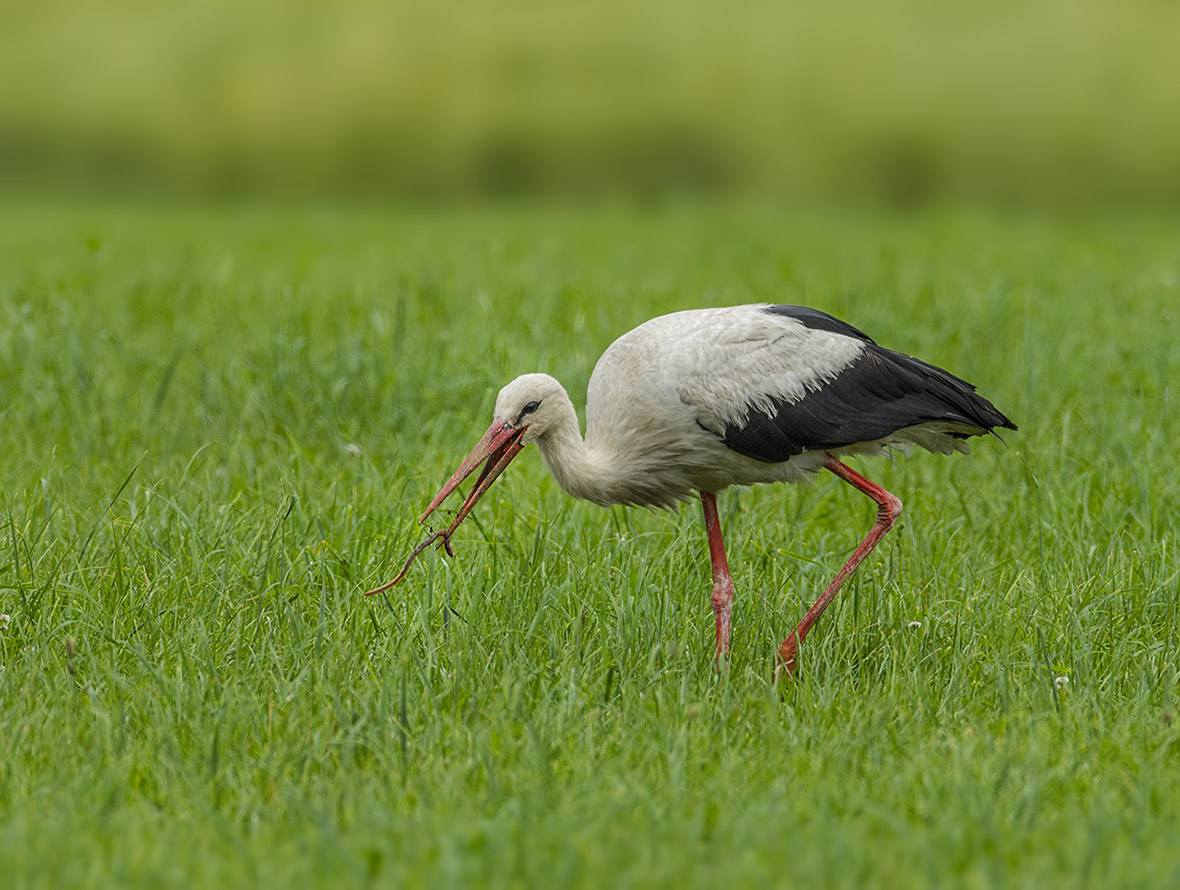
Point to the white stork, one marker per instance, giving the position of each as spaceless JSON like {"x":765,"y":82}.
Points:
{"x":706,"y":398}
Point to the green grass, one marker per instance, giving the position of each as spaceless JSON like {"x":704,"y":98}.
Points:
{"x":218,"y":426}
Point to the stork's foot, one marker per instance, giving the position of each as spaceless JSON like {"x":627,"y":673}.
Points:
{"x":722,"y":609}
{"x":785,"y":663}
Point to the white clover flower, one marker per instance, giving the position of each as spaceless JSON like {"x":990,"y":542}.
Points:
{"x":5,"y":620}
{"x":353,"y":449}
{"x":1061,"y":682}
{"x":914,"y":625}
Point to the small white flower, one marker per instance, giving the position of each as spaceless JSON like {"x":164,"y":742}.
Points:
{"x":914,"y":625}
{"x":5,"y":620}
{"x":1061,"y":682}
{"x":353,"y":449}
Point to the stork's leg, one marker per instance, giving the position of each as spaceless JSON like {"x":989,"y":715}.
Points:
{"x":722,"y":581}
{"x":888,"y":509}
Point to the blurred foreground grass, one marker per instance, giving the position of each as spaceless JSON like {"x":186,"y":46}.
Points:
{"x":218,"y":426}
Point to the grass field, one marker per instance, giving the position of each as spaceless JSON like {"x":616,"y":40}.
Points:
{"x":218,"y":426}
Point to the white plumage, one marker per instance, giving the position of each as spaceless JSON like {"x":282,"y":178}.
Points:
{"x":702,"y":399}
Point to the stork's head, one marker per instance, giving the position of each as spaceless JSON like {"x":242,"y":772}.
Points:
{"x":530,"y":404}
{"x":526,"y":409}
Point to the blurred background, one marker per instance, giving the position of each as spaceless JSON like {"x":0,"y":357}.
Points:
{"x":1058,"y":103}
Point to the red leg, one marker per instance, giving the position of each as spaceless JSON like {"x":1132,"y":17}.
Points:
{"x":888,"y":509}
{"x":722,"y":581}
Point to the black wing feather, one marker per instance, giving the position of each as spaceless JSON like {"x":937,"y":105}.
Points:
{"x":878,"y":394}
{"x":818,"y":321}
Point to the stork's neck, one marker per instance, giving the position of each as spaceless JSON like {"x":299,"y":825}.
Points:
{"x":581,"y":470}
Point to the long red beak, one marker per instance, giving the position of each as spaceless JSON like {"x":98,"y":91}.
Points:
{"x":498,"y":446}
{"x":495,"y":451}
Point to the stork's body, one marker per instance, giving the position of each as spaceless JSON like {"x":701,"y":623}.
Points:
{"x":702,"y":399}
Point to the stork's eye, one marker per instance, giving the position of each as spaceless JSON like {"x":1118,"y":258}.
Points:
{"x":527,"y":409}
